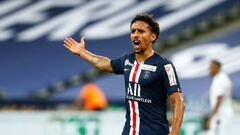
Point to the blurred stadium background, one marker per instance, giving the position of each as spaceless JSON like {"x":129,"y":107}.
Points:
{"x":40,"y":79}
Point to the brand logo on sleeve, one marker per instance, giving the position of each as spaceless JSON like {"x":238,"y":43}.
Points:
{"x":171,"y":74}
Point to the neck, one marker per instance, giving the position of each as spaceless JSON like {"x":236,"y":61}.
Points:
{"x":216,"y":73}
{"x":141,"y":57}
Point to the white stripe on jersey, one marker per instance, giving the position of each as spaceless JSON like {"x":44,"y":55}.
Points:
{"x":133,"y":105}
{"x":134,"y":112}
{"x":138,"y":118}
{"x":132,"y":71}
{"x":131,"y":117}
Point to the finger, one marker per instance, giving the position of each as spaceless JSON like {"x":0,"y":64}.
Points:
{"x":72,"y":40}
{"x":67,"y":42}
{"x":66,"y":46}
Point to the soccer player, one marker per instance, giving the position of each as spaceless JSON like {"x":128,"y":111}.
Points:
{"x":149,"y":80}
{"x":220,"y":101}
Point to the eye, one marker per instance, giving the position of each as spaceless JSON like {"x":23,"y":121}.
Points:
{"x":133,"y":30}
{"x":141,"y":31}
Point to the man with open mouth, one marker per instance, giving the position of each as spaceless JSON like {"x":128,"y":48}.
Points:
{"x":150,"y":79}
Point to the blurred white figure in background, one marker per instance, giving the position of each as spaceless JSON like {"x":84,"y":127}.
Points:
{"x":220,"y":95}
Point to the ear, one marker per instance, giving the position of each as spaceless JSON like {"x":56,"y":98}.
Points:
{"x":153,"y":37}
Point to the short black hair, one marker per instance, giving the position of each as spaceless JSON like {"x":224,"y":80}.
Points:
{"x":154,"y":26}
{"x":216,"y":62}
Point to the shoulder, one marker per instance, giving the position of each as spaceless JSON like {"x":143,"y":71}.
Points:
{"x":161,"y":60}
{"x":123,"y":57}
{"x":223,"y":78}
{"x":127,"y":56}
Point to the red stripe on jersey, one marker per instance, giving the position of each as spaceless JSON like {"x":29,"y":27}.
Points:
{"x":134,"y":117}
{"x":135,"y":73}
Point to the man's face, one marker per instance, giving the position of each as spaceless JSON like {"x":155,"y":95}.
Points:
{"x":141,"y":37}
{"x":213,"y":69}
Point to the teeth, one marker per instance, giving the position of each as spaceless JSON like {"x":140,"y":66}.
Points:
{"x":136,"y":42}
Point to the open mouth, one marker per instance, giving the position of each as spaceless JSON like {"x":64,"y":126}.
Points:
{"x":136,"y":42}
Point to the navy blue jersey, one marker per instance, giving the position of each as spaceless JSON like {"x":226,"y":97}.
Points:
{"x":147,"y":87}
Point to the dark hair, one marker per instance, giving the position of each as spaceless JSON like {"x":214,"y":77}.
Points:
{"x":154,"y":26}
{"x":216,"y":62}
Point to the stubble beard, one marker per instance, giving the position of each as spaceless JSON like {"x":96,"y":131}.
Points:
{"x":139,"y":51}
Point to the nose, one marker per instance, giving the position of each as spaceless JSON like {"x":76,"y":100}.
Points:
{"x":135,"y":34}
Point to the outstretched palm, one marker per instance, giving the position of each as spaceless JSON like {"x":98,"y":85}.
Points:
{"x":74,"y":46}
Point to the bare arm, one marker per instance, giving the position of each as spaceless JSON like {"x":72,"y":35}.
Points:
{"x":178,"y":107}
{"x":78,"y":48}
{"x":215,"y":110}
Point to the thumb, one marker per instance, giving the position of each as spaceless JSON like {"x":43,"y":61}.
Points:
{"x":82,"y":40}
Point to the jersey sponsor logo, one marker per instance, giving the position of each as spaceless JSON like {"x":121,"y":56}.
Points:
{"x":149,"y":68}
{"x":139,"y":99}
{"x":134,"y":90}
{"x":134,"y":93}
{"x":171,"y":74}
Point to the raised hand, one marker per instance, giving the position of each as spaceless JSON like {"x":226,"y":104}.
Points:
{"x":74,"y":46}
{"x":100,"y":62}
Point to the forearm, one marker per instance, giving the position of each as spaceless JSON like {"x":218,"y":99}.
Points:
{"x":178,"y":108}
{"x":177,"y":117}
{"x":78,"y":48}
{"x":216,"y":108}
{"x":100,"y":62}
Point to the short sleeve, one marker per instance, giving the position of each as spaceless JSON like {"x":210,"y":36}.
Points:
{"x":219,"y":85}
{"x":170,"y":78}
{"x":219,"y":91}
{"x":118,"y":65}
